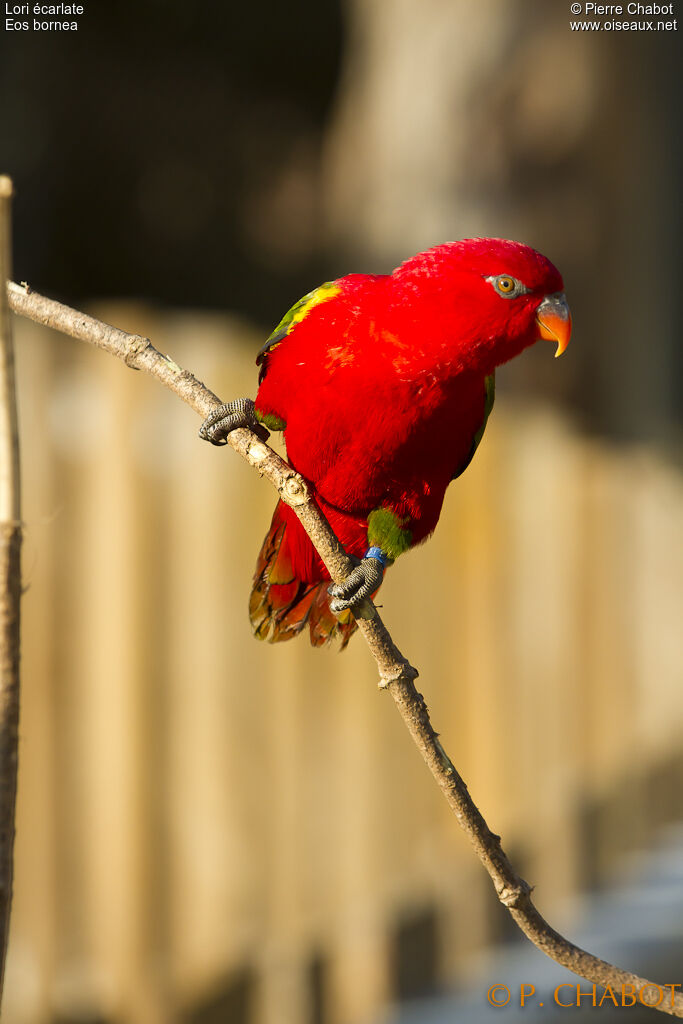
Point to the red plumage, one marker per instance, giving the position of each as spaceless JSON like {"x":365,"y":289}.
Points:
{"x":380,"y":381}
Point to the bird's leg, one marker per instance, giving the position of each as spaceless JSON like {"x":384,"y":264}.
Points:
{"x":224,"y":418}
{"x":361,"y":582}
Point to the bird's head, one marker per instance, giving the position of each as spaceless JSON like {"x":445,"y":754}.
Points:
{"x":494,"y":297}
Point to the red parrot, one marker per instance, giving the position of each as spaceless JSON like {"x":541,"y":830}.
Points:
{"x":383,"y":385}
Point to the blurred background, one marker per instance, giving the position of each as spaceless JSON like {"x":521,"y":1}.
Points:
{"x":214,"y":830}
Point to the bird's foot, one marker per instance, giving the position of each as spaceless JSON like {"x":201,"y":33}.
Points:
{"x":224,"y":418}
{"x":359,"y":584}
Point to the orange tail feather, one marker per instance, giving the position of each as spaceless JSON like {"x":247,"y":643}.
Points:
{"x":282,"y":605}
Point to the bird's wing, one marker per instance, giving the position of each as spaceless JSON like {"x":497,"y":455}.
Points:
{"x":294,"y":316}
{"x":489,"y":399}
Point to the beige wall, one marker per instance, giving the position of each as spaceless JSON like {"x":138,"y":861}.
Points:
{"x":194,"y":804}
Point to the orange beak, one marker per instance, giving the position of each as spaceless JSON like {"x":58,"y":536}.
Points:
{"x":555,"y":321}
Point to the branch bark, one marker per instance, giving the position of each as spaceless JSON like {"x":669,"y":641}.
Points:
{"x":10,"y":581}
{"x":395,"y":672}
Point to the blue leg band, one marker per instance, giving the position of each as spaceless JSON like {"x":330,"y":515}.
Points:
{"x":378,"y":554}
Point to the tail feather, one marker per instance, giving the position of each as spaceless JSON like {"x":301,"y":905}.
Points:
{"x":281,"y":605}
{"x":292,"y":619}
{"x":324,"y":623}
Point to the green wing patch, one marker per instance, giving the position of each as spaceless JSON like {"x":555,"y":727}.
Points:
{"x":294,"y":316}
{"x":270,"y":420}
{"x":388,"y":532}
{"x":490,"y":397}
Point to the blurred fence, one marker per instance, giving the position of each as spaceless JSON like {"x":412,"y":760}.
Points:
{"x":216,"y":830}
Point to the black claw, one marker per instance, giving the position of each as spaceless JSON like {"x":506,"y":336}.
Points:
{"x":358,"y":585}
{"x":224,"y":418}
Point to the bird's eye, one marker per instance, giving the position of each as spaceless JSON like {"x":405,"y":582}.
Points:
{"x":507,"y":286}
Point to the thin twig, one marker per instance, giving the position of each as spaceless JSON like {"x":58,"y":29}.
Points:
{"x":395,"y":672}
{"x":10,"y":581}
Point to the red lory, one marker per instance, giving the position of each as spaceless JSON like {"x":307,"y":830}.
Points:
{"x":383,"y":385}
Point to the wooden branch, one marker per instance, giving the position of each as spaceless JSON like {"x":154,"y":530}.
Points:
{"x":395,"y":672}
{"x":10,"y":581}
